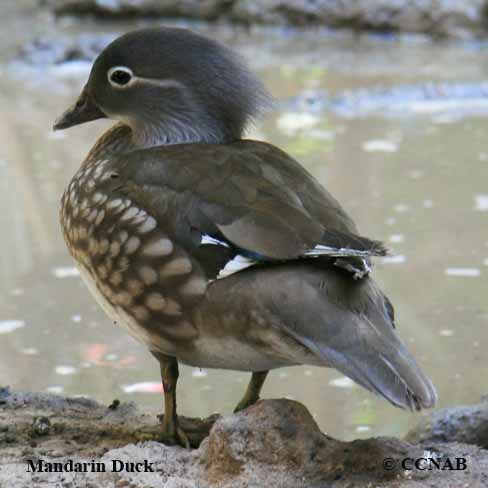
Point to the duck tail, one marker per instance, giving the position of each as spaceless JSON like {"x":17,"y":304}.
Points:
{"x":392,"y":374}
{"x":351,"y":328}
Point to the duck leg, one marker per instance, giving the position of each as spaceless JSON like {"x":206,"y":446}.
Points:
{"x":172,"y":432}
{"x":253,"y":390}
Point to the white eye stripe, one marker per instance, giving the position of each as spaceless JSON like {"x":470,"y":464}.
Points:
{"x":165,"y":83}
{"x":168,"y":83}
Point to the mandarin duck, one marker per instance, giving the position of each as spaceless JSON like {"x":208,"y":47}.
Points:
{"x":213,"y":250}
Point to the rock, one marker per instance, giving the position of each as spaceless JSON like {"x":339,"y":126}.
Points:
{"x":275,"y":443}
{"x":276,"y":436}
{"x":437,"y":17}
{"x":201,"y":9}
{"x":428,"y":16}
{"x":115,"y":404}
{"x":467,"y":424}
{"x":41,"y":426}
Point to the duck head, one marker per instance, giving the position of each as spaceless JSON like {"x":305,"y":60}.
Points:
{"x":170,"y":86}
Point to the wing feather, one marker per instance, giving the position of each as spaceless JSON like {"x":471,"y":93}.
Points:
{"x":249,"y":194}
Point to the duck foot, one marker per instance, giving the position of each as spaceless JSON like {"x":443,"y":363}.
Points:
{"x":175,"y":436}
{"x":187,"y":432}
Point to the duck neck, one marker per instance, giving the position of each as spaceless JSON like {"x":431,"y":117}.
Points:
{"x":179,"y":129}
{"x":131,"y":135}
{"x":159,"y":134}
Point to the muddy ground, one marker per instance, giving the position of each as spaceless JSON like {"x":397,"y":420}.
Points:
{"x":275,"y":443}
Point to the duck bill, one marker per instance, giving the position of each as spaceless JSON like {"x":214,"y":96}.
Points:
{"x":84,"y":110}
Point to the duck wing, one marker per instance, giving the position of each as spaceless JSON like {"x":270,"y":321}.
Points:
{"x":249,"y":197}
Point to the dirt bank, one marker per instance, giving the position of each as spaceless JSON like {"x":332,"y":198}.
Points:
{"x":275,"y":443}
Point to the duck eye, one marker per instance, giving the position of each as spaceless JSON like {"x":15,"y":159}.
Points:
{"x":119,"y":76}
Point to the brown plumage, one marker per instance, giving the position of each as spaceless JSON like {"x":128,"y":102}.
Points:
{"x":216,"y":251}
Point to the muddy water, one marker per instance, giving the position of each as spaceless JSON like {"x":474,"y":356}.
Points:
{"x":417,"y":178}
